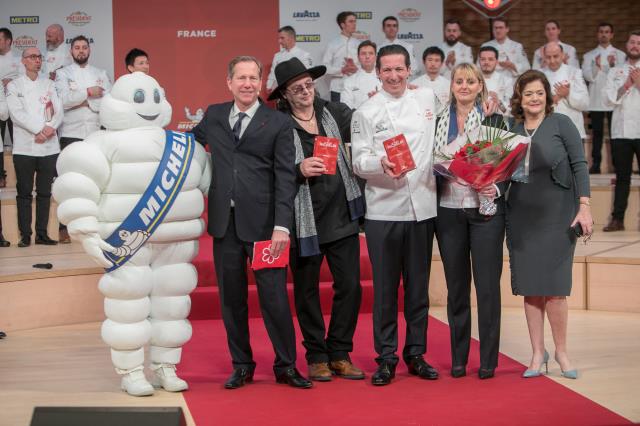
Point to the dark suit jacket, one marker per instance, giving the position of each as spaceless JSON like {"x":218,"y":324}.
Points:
{"x":258,"y":173}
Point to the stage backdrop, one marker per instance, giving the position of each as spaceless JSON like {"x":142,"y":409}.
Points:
{"x":29,"y":19}
{"x":420,"y":22}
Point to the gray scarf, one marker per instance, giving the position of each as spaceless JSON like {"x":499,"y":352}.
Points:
{"x":308,"y":243}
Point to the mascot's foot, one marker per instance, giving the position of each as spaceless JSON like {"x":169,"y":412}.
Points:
{"x":135,"y":383}
{"x":166,"y":378}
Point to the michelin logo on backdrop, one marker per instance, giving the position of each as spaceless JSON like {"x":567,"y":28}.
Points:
{"x":306,"y":15}
{"x":197,"y":33}
{"x":192,"y":119}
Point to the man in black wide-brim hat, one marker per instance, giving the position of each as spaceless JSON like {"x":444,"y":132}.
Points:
{"x":327,"y":210}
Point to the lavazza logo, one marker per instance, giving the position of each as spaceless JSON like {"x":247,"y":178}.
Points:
{"x":409,"y":15}
{"x":25,"y":42}
{"x":78,"y":19}
{"x":306,"y":15}
{"x":197,"y":33}
{"x":411,"y":37}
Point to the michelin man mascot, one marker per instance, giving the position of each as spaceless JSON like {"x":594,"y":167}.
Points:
{"x":133,"y":195}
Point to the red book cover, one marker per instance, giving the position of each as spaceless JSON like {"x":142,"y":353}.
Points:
{"x":398,"y":152}
{"x":327,"y":149}
{"x":262,"y":257}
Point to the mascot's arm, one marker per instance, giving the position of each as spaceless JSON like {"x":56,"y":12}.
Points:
{"x":83,"y":171}
{"x":204,"y":160}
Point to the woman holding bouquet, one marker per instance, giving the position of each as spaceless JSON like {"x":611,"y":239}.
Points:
{"x":464,"y":233}
{"x":546,"y":212}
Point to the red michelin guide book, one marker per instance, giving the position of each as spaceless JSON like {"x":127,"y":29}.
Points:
{"x":262,"y":257}
{"x":327,"y":149}
{"x":398,"y":152}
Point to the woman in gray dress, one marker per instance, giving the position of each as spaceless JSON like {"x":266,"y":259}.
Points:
{"x":542,"y":216}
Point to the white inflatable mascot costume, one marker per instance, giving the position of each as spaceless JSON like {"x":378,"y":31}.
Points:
{"x":133,"y":195}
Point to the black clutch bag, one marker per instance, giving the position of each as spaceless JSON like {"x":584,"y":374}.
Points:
{"x":577,"y":230}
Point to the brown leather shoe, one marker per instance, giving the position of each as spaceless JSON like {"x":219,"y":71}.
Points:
{"x":63,"y":237}
{"x":320,"y":372}
{"x":614,"y":225}
{"x":345,"y":369}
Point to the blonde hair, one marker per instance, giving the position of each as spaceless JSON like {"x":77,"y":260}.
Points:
{"x":469,"y":70}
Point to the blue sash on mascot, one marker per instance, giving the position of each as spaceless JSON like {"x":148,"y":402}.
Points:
{"x":156,"y":201}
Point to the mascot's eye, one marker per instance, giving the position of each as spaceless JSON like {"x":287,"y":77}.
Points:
{"x":138,"y":96}
{"x":156,"y":96}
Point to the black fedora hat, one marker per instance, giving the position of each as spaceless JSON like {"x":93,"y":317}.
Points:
{"x":289,"y":70}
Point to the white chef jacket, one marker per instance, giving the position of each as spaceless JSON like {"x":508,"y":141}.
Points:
{"x":72,"y":82}
{"x":56,"y":58}
{"x":578,"y":99}
{"x":334,"y":59}
{"x":11,"y":65}
{"x":408,"y":46}
{"x":413,"y":197}
{"x":463,"y":54}
{"x":625,"y":120}
{"x":358,"y":86}
{"x":441,"y":86}
{"x":27,"y":100}
{"x":502,"y":84}
{"x":4,"y":113}
{"x":512,"y":51}
{"x":597,"y":77}
{"x":285,"y":55}
{"x":566,"y":48}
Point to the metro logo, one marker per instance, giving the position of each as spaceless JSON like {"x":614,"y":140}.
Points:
{"x":308,"y":38}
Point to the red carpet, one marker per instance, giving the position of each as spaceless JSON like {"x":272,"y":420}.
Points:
{"x":504,"y":400}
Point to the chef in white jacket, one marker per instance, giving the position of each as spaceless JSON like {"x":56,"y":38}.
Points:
{"x":623,"y":93}
{"x":499,"y":85}
{"x":552,"y":33}
{"x":512,"y":58}
{"x":390,"y":28}
{"x":36,"y":112}
{"x":4,"y":114}
{"x":81,"y":87}
{"x":595,"y":67}
{"x":58,"y":54}
{"x":568,"y":88}
{"x":433,"y":59}
{"x":341,"y":54}
{"x":288,"y":50}
{"x":365,"y":83}
{"x":455,"y":51}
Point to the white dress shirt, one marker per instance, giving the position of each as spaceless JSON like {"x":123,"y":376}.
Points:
{"x":512,"y":51}
{"x":72,"y":82}
{"x":441,"y":86}
{"x":566,"y":48}
{"x":578,"y":99}
{"x":358,"y":86}
{"x":625,"y":121}
{"x":334,"y":59}
{"x":413,"y":197}
{"x":4,"y":113}
{"x":11,"y":65}
{"x":597,"y":77}
{"x":408,"y":46}
{"x":502,"y":85}
{"x":463,"y":54}
{"x":285,"y":55}
{"x":27,"y":100}
{"x":56,"y":58}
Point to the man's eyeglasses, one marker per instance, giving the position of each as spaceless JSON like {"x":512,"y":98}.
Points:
{"x":34,"y":57}
{"x":296,"y":90}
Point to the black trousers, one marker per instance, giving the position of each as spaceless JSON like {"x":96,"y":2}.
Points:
{"x":230,"y":256}
{"x":343,"y":258}
{"x":3,"y":125}
{"x":400,"y":249}
{"x":469,"y":241}
{"x":44,"y":169}
{"x":597,"y":133}
{"x":65,"y":142}
{"x":622,"y":151}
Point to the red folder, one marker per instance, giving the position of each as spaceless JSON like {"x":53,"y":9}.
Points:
{"x":398,"y":152}
{"x":262,"y":257}
{"x":327,"y":149}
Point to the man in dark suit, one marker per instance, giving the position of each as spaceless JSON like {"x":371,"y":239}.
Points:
{"x":251,"y":199}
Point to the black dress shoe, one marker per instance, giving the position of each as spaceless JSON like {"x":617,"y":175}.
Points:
{"x":293,"y":378}
{"x":45,"y":240}
{"x":594,"y":170}
{"x":486,"y":373}
{"x":238,"y":378}
{"x":3,"y":242}
{"x":458,"y":371}
{"x":419,"y":367}
{"x":383,"y":375}
{"x":24,"y":242}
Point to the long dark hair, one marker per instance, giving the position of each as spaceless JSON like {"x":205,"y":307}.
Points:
{"x":522,"y":81}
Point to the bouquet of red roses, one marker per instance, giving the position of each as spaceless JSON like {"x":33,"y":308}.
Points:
{"x":491,"y":156}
